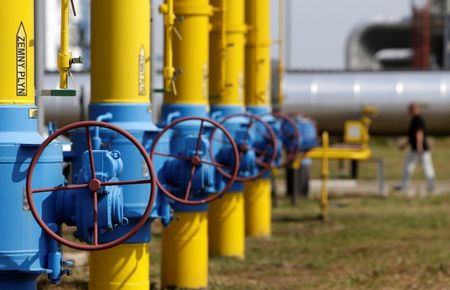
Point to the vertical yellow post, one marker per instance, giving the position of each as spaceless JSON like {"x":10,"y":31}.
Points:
{"x":185,"y":251}
{"x":184,"y":257}
{"x":257,"y":193}
{"x":190,"y":53}
{"x":120,"y":74}
{"x":17,"y":57}
{"x":325,"y":173}
{"x":257,"y":54}
{"x":120,"y":51}
{"x":226,"y":226}
{"x":227,"y":54}
{"x":258,"y":208}
{"x":125,"y":267}
{"x":226,"y":92}
{"x":281,"y":42}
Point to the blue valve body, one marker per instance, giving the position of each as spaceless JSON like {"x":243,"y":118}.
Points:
{"x":137,"y":120}
{"x":308,"y":134}
{"x":204,"y":179}
{"x":26,"y":251}
{"x":237,"y":127}
{"x":75,"y":207}
{"x":176,"y":173}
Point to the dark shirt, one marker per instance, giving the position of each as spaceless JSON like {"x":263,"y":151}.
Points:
{"x":417,"y":123}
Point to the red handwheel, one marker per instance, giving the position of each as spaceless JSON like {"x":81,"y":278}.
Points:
{"x":265,"y":157}
{"x":94,"y":185}
{"x":290,"y":130}
{"x":196,"y":160}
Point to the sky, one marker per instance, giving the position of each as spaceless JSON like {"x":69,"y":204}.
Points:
{"x":319,"y":29}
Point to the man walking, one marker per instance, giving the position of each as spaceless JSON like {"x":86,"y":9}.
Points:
{"x":420,"y":151}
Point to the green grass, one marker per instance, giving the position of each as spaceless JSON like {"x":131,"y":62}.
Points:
{"x":369,"y":243}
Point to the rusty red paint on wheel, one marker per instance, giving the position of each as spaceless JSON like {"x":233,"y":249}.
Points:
{"x":291,"y":153}
{"x":245,"y":147}
{"x":196,"y":161}
{"x":94,"y":185}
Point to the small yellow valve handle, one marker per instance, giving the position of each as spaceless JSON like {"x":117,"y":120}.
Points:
{"x":65,"y":59}
{"x":169,"y":27}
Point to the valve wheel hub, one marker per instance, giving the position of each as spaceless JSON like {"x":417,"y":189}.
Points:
{"x":94,"y":185}
{"x":243,"y":148}
{"x":196,"y":160}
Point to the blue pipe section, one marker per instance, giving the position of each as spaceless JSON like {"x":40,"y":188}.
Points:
{"x":26,"y":251}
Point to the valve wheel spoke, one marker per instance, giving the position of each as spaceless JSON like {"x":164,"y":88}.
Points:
{"x":172,"y":156}
{"x":83,"y":186}
{"x":291,"y":135}
{"x":263,"y":164}
{"x":264,"y":134}
{"x":66,"y":187}
{"x":247,"y":134}
{"x":261,"y":152}
{"x":199,"y":138}
{"x":189,"y":185}
{"x":94,"y":193}
{"x":95,"y":206}
{"x":126,"y":182}
{"x":91,"y":152}
{"x":216,"y":164}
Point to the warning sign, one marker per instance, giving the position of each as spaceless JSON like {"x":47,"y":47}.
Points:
{"x":21,"y":61}
{"x":142,"y":76}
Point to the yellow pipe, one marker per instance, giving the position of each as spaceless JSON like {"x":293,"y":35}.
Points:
{"x":64,"y":56}
{"x":359,"y":153}
{"x":257,"y":94}
{"x":190,"y":53}
{"x":226,"y":215}
{"x":282,"y":36}
{"x":226,"y":226}
{"x":325,"y":173}
{"x":169,"y":22}
{"x":120,"y":51}
{"x":185,"y":242}
{"x":257,"y":58}
{"x":258,"y":208}
{"x":17,"y":52}
{"x":219,"y":24}
{"x":184,"y":260}
{"x":120,"y":74}
{"x":226,"y":86}
{"x":125,"y":267}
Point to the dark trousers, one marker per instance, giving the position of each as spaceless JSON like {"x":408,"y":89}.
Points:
{"x":297,"y":182}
